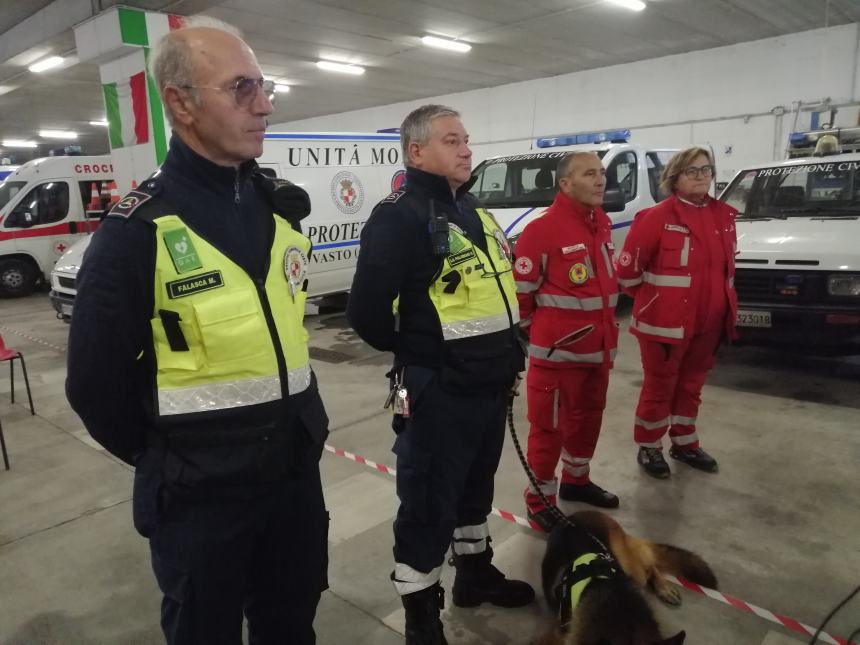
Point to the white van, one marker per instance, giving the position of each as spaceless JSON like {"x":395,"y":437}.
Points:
{"x":45,"y":206}
{"x":518,"y":188}
{"x":344,"y":173}
{"x":798,"y":264}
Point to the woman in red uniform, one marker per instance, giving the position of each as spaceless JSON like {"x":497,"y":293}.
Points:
{"x":678,"y":264}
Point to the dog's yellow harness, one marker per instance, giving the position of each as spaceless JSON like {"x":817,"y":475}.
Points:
{"x":585,"y":569}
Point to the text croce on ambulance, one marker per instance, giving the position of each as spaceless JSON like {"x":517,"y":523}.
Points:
{"x":45,"y":206}
{"x":346,"y":174}
{"x":518,"y":188}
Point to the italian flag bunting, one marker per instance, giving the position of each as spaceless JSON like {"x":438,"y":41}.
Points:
{"x":128,"y":120}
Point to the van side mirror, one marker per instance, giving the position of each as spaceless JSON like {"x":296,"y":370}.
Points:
{"x":20,"y":218}
{"x":613,"y":201}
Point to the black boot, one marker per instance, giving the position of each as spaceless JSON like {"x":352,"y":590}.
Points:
{"x":478,"y":581}
{"x":652,"y":461}
{"x":697,"y":458}
{"x":423,"y":626}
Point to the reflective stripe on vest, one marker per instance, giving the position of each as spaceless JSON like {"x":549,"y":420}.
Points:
{"x":666,"y":280}
{"x":653,"y":330}
{"x":561,"y":356}
{"x":529,"y":287}
{"x":213,"y":347}
{"x":629,"y":282}
{"x":572,"y":302}
{"x":475,"y":290}
{"x":475,"y":327}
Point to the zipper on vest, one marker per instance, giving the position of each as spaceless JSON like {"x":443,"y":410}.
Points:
{"x":260,"y":283}
{"x":236,"y":189}
{"x":499,"y":284}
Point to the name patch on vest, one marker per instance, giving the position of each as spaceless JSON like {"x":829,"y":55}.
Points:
{"x":194,"y":284}
{"x":573,"y":249}
{"x":462,"y":256}
{"x":677,"y":228}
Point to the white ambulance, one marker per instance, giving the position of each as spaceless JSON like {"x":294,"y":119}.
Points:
{"x":518,"y":188}
{"x":346,"y":174}
{"x":798,"y":264}
{"x":46,"y":205}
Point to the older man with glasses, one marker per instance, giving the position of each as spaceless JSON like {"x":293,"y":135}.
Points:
{"x":678,"y":263}
{"x":189,"y":318}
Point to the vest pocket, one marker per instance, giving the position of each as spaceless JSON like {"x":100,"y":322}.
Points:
{"x":173,"y":360}
{"x":672,"y":249}
{"x":232,"y":328}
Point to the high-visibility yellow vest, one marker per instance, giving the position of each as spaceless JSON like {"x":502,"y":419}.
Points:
{"x":475,"y":292}
{"x":215,"y":332}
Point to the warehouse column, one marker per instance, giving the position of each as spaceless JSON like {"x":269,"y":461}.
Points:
{"x":119,"y":41}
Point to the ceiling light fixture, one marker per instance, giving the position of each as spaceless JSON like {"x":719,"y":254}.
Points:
{"x":18,"y":143}
{"x":58,"y":134}
{"x":102,"y":123}
{"x":444,"y":43}
{"x":343,"y":68}
{"x":633,"y":5}
{"x":281,"y":87}
{"x":46,"y":64}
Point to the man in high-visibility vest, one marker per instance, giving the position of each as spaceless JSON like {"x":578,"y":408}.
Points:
{"x":434,"y":286}
{"x":188,"y":359}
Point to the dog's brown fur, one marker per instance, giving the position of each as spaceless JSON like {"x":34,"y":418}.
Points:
{"x":614,"y":612}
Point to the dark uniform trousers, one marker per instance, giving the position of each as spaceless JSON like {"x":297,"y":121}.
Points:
{"x":447,"y":454}
{"x":215,"y":560}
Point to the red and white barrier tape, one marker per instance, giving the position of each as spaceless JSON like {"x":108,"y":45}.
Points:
{"x":33,"y":339}
{"x":785,"y":621}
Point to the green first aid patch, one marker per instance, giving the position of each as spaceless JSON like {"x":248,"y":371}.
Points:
{"x":194,"y":284}
{"x":182,"y":250}
{"x":455,"y":243}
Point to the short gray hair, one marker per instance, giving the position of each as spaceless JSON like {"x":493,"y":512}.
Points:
{"x":565,"y":165}
{"x":170,"y":60}
{"x":416,"y":126}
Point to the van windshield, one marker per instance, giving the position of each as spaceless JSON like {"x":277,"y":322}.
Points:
{"x":8,"y":189}
{"x":820,"y":189}
{"x":518,"y":180}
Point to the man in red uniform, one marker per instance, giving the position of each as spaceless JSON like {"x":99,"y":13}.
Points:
{"x":567,"y":291}
{"x":678,"y":263}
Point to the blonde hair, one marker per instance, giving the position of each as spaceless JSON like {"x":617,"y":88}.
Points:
{"x":677,"y":164}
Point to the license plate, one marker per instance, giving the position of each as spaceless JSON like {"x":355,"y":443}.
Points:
{"x":753,"y":318}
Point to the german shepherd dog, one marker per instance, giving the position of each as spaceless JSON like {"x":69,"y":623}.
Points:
{"x":611,"y":609}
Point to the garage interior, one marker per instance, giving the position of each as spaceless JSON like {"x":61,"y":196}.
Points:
{"x":779,"y":523}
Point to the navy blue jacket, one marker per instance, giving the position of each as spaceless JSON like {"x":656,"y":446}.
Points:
{"x":397,"y":259}
{"x":110,"y":363}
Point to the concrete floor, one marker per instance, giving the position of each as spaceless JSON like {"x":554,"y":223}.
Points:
{"x":779,"y":523}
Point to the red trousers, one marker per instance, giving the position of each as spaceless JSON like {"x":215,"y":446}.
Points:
{"x":672,"y":388}
{"x":565,"y":410}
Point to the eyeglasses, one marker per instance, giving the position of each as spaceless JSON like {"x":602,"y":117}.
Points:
{"x":693,"y":172}
{"x":244,"y":89}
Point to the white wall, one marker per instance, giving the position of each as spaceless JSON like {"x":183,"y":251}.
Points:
{"x":722,"y":97}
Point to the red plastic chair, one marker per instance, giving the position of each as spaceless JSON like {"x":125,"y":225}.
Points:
{"x":11,"y":355}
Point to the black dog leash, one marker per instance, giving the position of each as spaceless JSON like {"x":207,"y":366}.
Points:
{"x":555,"y":510}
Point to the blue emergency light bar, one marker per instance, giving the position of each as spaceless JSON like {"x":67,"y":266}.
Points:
{"x":389,"y":130}
{"x":611,"y":136}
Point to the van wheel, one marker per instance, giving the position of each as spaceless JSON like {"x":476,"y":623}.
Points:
{"x":17,"y":278}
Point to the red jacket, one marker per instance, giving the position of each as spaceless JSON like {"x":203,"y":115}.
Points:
{"x":567,"y":287}
{"x":665,"y":266}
